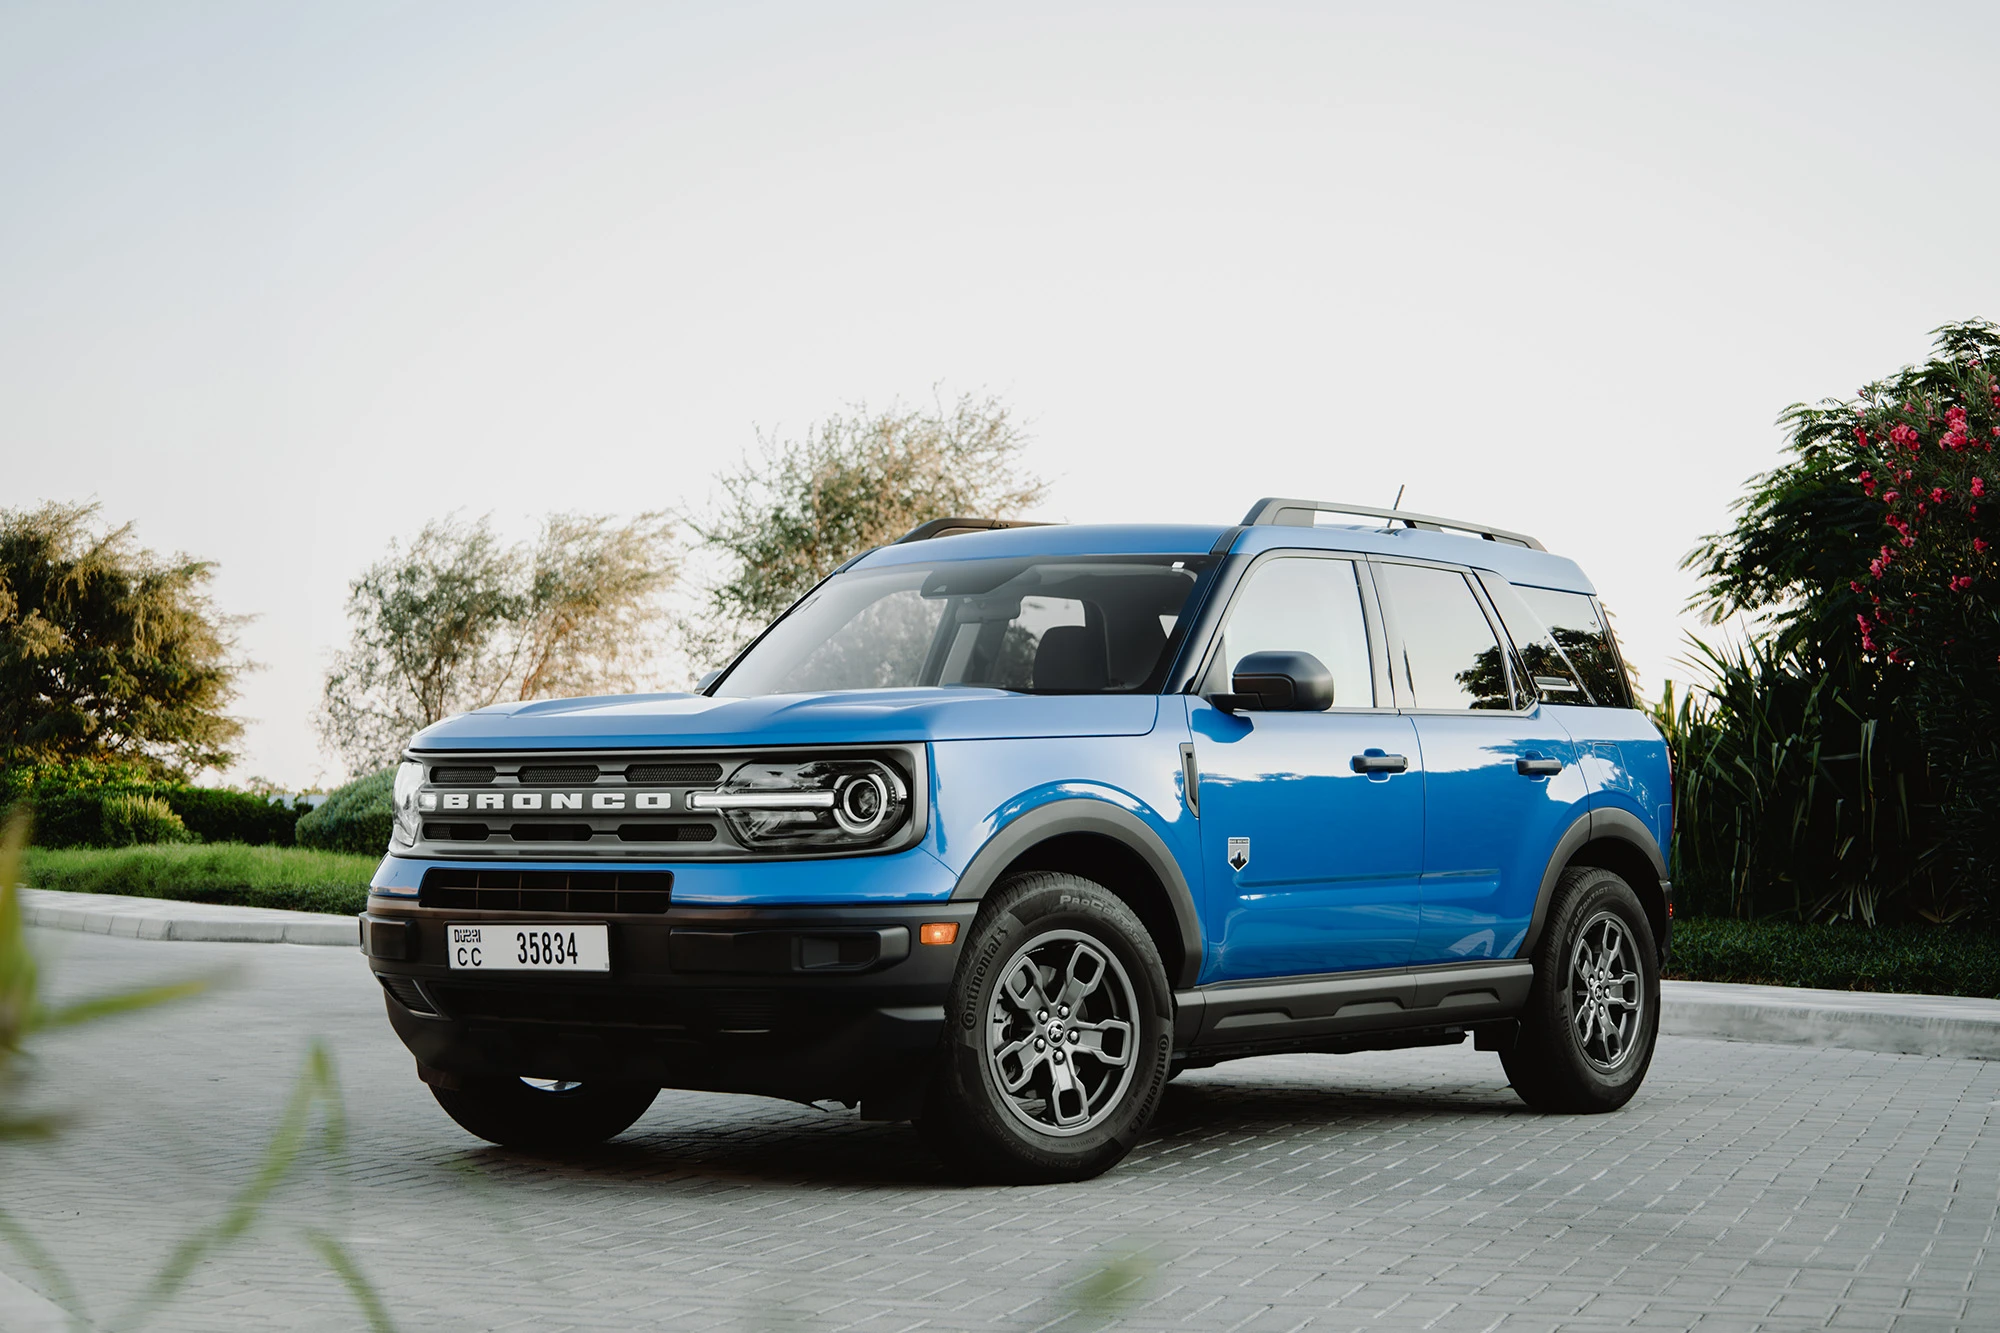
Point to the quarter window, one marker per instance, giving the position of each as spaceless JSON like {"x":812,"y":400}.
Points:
{"x":1307,"y":605}
{"x":1448,"y":654}
{"x":1567,"y":646}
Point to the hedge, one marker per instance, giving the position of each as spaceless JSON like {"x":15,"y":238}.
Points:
{"x":75,"y":817}
{"x":1911,"y":959}
{"x":356,"y":818}
{"x":288,"y":877}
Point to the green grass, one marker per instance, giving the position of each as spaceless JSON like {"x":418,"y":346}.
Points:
{"x":1911,"y":959}
{"x":298,"y":878}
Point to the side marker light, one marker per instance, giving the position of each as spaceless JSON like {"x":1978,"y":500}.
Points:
{"x":938,"y":932}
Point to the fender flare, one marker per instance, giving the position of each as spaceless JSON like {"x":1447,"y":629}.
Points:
{"x":1084,"y":815}
{"x":1590,"y":826}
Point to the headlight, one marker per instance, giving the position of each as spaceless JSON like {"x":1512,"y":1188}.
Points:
{"x":409,"y":777}
{"x":819,"y":803}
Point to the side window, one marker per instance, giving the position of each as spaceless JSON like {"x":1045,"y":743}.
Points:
{"x":1308,"y":605}
{"x":1448,"y":653}
{"x":1567,"y":646}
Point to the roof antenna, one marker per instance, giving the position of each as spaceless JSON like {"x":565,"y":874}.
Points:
{"x":1397,"y":503}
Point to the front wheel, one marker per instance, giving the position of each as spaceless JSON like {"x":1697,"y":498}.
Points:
{"x":1593,"y":1011}
{"x":544,"y":1115}
{"x":1058,"y":1033}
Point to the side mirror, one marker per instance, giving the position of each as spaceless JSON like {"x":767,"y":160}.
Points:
{"x":1278,"y":682}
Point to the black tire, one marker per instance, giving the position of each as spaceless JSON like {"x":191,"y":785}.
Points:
{"x":1593,"y":1013}
{"x":544,"y":1117}
{"x":1055,"y":930}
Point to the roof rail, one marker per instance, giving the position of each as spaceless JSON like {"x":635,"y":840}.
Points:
{"x":1299,"y":514}
{"x":951,"y":527}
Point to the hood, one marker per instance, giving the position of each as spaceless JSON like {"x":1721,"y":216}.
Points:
{"x":646,"y":721}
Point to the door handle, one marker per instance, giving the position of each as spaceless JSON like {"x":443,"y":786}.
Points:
{"x":1538,"y":768}
{"x":1379,"y":763}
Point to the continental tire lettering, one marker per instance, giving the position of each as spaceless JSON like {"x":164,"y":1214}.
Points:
{"x":977,"y":978}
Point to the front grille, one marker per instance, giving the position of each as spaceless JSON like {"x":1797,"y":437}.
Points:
{"x":606,"y":807}
{"x":666,"y":833}
{"x":650,"y":832}
{"x":673,"y":775}
{"x":591,"y":891}
{"x":406,"y":992}
{"x":558,"y":775}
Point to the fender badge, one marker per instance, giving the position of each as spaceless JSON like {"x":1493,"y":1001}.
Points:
{"x":1239,"y":853}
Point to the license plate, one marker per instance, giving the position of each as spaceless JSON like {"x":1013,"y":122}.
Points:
{"x":488,"y":948}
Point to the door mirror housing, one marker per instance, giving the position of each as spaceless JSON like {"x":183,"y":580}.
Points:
{"x":1278,"y":682}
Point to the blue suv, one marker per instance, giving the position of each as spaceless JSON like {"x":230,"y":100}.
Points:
{"x":1003,"y":825}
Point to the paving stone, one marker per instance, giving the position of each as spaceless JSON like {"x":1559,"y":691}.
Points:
{"x":1748,"y":1187}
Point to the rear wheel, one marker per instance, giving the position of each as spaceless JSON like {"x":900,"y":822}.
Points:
{"x":1593,"y":1012}
{"x":544,"y":1115}
{"x":1057,"y":1034}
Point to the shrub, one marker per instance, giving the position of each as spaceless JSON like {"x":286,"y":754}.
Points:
{"x":130,"y":820}
{"x":356,"y":818}
{"x":1790,"y":799}
{"x":217,"y":815}
{"x":74,"y":815}
{"x":289,"y":877}
{"x":1873,"y":551}
{"x":1911,"y":959}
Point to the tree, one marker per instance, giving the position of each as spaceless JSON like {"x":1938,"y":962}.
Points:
{"x":109,"y":652}
{"x":458,"y":620}
{"x":791,"y":515}
{"x":1871,"y":550}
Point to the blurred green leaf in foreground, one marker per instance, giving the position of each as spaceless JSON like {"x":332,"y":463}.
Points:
{"x":23,"y":1015}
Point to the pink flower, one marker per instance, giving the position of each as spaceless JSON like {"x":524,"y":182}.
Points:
{"x":1978,"y":487}
{"x":1889,"y":497}
{"x":1961,"y":583}
{"x":1979,"y":545}
{"x":1896,"y":655}
{"x":1909,"y":541}
{"x":1937,"y":495}
{"x":1856,"y":583}
{"x":1875,"y":567}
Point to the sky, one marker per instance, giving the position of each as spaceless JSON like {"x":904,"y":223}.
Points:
{"x":278,"y":284}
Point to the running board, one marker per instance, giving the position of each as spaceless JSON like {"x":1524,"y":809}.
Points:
{"x":1294,"y":1010}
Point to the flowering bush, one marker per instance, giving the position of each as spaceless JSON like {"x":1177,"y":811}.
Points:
{"x":1872,"y":550}
{"x":1924,"y":446}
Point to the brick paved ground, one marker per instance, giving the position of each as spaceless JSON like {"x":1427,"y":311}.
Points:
{"x":1748,"y":1187}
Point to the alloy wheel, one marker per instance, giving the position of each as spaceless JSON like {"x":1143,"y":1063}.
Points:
{"x":1060,"y":1033}
{"x":1607,"y":995}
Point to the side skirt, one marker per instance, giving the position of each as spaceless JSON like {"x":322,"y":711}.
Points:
{"x":1347,"y":1012}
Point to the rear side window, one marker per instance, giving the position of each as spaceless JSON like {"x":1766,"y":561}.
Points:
{"x":1566,"y":644}
{"x":1447,"y":653}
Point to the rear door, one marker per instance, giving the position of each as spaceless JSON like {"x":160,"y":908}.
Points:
{"x":1501,"y":777}
{"x":1310,"y":865}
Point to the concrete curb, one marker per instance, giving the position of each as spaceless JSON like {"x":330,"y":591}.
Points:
{"x":1857,"y":1020}
{"x":165,"y":919}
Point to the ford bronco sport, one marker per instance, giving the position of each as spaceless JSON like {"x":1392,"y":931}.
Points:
{"x":1003,"y":825}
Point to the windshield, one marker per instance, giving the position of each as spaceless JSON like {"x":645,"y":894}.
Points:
{"x":1038,"y":625}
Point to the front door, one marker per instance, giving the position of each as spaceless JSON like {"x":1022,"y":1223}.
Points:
{"x":1311,"y":823}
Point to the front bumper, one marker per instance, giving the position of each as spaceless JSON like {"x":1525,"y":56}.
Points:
{"x":824,"y":1003}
